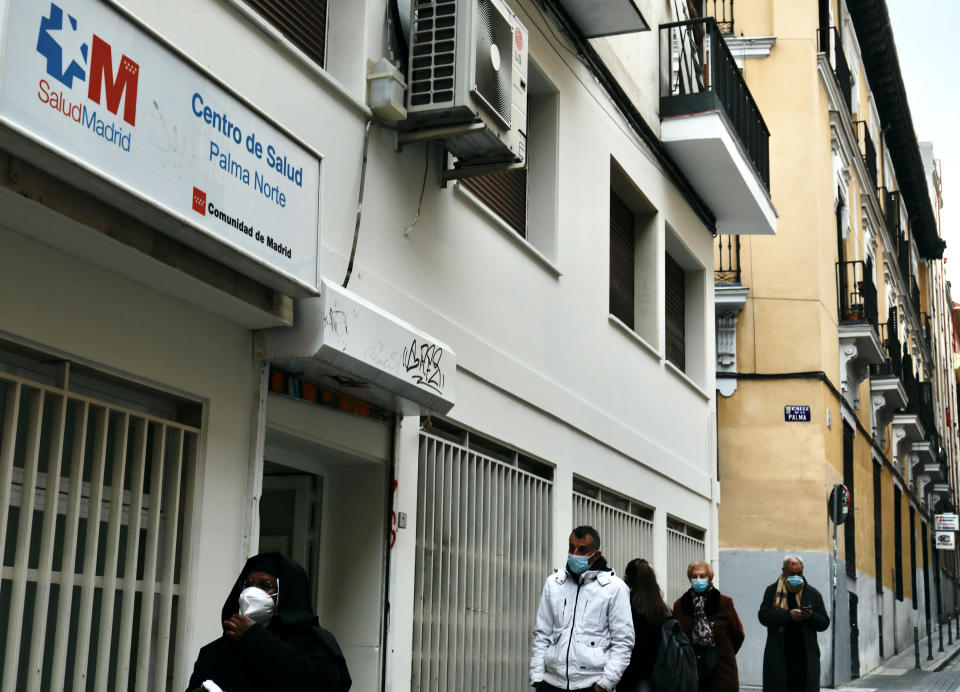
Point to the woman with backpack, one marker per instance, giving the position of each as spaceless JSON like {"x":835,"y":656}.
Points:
{"x":649,"y":614}
{"x":711,"y":622}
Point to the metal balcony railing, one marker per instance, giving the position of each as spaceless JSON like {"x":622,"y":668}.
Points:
{"x":727,"y":260}
{"x":867,"y":150}
{"x":722,"y":11}
{"x":831,"y":44}
{"x":704,"y":77}
{"x":892,"y":366}
{"x":891,"y":210}
{"x":856,"y":292}
{"x":927,"y":332}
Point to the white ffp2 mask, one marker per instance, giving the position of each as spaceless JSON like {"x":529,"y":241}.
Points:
{"x":257,"y":604}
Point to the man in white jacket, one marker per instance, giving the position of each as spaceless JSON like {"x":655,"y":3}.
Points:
{"x":584,"y":632}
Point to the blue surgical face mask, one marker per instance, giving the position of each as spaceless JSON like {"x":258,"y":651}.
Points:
{"x":699,"y":585}
{"x":795,"y":580}
{"x":578,"y":563}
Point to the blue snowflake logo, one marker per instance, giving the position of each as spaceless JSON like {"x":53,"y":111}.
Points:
{"x":62,"y":46}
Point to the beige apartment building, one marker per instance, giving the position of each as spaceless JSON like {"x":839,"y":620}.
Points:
{"x":834,"y":339}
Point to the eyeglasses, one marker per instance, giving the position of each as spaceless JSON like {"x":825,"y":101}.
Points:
{"x":265,"y":584}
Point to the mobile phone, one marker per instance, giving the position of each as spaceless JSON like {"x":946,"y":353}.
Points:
{"x":807,"y":609}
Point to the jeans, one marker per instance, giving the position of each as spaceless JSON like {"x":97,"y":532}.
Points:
{"x":544,"y":687}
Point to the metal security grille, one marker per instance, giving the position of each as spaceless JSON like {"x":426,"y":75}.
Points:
{"x":483,"y":552}
{"x":92,"y":505}
{"x":682,"y":549}
{"x":623,"y":535}
{"x":303,"y":22}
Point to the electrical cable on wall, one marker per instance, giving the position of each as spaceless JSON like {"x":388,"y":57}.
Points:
{"x":363,"y":177}
{"x":423,"y":186}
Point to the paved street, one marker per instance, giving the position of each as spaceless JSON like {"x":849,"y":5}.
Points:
{"x":898,"y":673}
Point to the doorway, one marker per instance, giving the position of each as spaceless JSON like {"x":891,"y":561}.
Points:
{"x":325,"y":503}
{"x":290,"y":510}
{"x":854,"y":638}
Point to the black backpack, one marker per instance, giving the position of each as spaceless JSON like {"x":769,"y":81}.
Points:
{"x":675,"y":669}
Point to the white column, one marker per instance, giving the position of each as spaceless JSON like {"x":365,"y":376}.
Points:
{"x":403,"y":555}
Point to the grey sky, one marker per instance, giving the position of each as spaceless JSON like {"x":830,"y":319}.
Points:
{"x":926,"y":35}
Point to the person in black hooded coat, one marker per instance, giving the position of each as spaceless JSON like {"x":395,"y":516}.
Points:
{"x":289,"y":652}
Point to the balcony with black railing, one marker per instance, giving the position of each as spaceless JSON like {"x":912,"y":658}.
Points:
{"x":915,"y":296}
{"x":886,"y":379}
{"x":858,"y":326}
{"x":867,"y":150}
{"x":726,"y":260}
{"x":722,"y":11}
{"x":891,"y":210}
{"x":713,"y":128}
{"x":830,"y":43}
{"x":907,"y":425}
{"x":856,"y":293}
{"x":892,"y":365}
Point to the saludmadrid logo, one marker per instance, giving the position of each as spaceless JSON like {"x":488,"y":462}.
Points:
{"x":74,"y":54}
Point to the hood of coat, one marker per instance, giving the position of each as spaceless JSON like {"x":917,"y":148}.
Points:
{"x":293,"y":602}
{"x":710,"y":606}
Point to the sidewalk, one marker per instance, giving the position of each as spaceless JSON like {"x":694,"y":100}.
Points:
{"x":899,"y":672}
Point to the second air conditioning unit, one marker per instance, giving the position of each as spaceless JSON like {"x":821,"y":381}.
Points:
{"x":468,"y":65}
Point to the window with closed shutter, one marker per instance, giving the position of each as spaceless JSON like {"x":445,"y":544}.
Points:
{"x":622,"y":258}
{"x":304,"y":22}
{"x":676,"y":313}
{"x":505,"y":194}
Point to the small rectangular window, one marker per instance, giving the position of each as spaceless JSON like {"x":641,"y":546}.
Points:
{"x":676,"y":313}
{"x":505,"y":193}
{"x":622,"y":258}
{"x":304,"y":23}
{"x":525,"y":198}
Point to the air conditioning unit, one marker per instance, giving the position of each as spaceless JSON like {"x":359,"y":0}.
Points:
{"x":468,"y":65}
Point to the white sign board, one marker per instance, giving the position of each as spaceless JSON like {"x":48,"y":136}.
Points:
{"x":946,"y":522}
{"x":89,"y":84}
{"x":946,"y":540}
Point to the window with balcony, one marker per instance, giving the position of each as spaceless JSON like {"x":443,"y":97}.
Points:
{"x":525,"y":199}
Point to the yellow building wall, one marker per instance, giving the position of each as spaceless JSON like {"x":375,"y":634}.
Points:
{"x":765,"y":460}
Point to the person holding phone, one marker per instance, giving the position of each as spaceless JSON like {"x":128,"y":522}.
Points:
{"x":793,"y":613}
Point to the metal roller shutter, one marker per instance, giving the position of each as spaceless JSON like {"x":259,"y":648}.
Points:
{"x":622,"y":260}
{"x":304,"y":22}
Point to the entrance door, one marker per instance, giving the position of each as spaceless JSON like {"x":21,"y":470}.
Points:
{"x":854,"y":639}
{"x":325,"y":502}
{"x":290,"y":518}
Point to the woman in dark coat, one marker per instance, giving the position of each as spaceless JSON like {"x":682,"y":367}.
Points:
{"x":710,"y":621}
{"x":793,"y":613}
{"x":649,"y":613}
{"x":271,"y":638}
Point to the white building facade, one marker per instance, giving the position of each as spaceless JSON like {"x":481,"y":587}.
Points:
{"x":212,"y":347}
